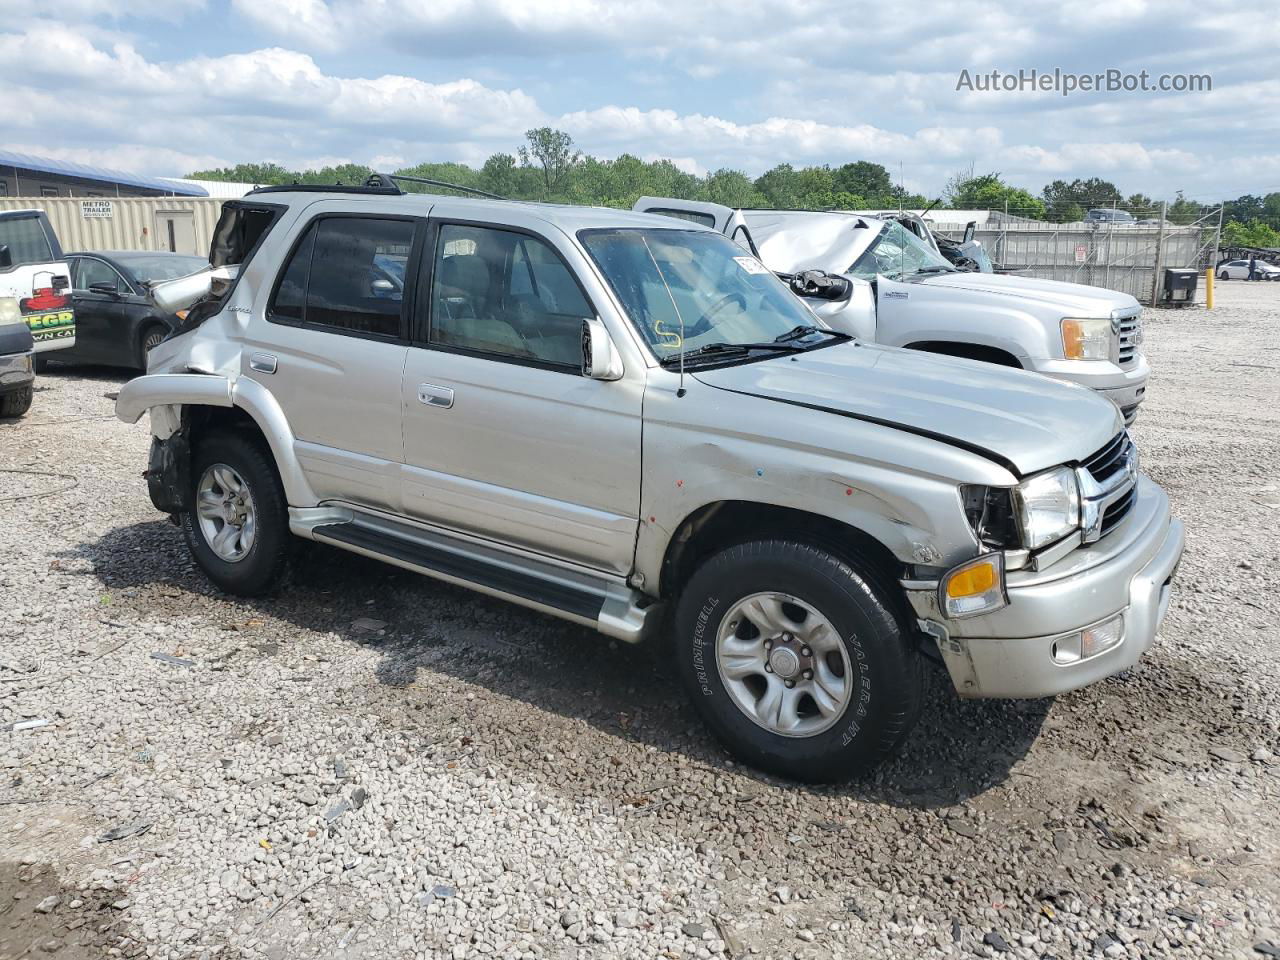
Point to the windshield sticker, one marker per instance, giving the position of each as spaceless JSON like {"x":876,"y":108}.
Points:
{"x":751,"y":265}
{"x":895,"y":295}
{"x":669,"y":338}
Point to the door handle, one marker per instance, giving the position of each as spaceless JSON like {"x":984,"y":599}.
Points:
{"x":262,"y":362}
{"x":434,"y":396}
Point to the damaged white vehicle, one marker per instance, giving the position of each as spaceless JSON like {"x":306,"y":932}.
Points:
{"x":877,"y":280}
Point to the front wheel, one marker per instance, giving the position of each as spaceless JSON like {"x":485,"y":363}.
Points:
{"x":151,"y":337}
{"x":796,"y":660}
{"x":17,"y":403}
{"x":1223,"y":276}
{"x":238,"y":527}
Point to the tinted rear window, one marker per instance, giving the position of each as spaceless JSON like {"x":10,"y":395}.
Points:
{"x":26,"y":239}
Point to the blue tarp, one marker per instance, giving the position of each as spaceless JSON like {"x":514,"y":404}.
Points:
{"x":65,"y":168}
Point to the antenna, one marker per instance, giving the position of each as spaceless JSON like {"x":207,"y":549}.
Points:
{"x":674,"y":306}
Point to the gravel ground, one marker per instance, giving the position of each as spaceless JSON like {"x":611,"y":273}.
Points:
{"x":374,"y":765}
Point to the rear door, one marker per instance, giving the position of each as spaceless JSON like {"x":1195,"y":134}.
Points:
{"x":333,"y":349}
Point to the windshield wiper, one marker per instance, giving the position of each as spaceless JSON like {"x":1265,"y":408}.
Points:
{"x":806,"y":330}
{"x":935,"y":269}
{"x":717,"y":351}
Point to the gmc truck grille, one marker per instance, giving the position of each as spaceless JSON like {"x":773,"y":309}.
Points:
{"x":1129,"y":338}
{"x":1104,"y":466}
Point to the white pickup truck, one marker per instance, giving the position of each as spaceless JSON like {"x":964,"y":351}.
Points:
{"x":875,"y":279}
{"x":35,"y":275}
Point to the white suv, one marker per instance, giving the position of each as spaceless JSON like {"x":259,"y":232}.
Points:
{"x":629,"y":422}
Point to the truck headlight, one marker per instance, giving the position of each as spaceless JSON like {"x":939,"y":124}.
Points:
{"x":1047,"y":507}
{"x":1086,"y":339}
{"x":10,"y":311}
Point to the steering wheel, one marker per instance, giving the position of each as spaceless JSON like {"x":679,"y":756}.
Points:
{"x":703,"y":323}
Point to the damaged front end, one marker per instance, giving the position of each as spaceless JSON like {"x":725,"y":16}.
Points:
{"x":168,"y":473}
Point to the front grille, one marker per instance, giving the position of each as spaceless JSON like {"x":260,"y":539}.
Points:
{"x":1105,"y":464}
{"x":1110,"y":458}
{"x":1130,"y":334}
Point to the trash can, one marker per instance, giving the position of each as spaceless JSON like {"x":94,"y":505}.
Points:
{"x":1180,"y":284}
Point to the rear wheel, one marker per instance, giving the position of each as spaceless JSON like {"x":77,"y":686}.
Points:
{"x":796,"y":660}
{"x":238,"y":527}
{"x":17,"y":403}
{"x":1223,"y":276}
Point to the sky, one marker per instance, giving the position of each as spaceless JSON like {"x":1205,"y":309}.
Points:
{"x":168,"y":86}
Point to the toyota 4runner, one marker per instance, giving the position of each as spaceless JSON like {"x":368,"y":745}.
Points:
{"x":632,"y":424}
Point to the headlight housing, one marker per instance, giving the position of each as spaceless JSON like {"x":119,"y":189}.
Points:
{"x":10,"y":311}
{"x":1047,"y":507}
{"x":1086,"y":339}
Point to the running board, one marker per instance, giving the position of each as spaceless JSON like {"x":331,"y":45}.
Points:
{"x":608,"y":606}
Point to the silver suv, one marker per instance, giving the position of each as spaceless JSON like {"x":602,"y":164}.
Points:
{"x":631,"y":423}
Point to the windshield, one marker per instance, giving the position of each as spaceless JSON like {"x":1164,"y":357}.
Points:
{"x":685,"y":289}
{"x":898,"y":253}
{"x":153,"y":269}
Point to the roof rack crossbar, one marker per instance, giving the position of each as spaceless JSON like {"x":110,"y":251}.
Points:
{"x":392,"y":177}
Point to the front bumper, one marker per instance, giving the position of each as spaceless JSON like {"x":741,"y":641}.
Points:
{"x":1010,"y":653}
{"x":1123,"y":386}
{"x":15,"y":372}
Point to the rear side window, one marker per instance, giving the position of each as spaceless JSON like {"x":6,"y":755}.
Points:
{"x":347,"y":275}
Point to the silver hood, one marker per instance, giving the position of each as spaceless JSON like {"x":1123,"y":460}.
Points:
{"x":1078,"y":299}
{"x":1022,"y":420}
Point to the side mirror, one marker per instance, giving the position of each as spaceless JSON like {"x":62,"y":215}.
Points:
{"x":105,"y":287}
{"x":6,"y":258}
{"x":381,"y":286}
{"x":600,"y":360}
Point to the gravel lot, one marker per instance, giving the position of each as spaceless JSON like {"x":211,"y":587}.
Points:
{"x":375,"y":765}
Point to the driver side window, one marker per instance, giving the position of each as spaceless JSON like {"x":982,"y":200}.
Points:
{"x":88,"y":271}
{"x":505,"y":294}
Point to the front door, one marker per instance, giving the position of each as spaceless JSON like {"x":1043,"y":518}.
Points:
{"x":503,"y":435}
{"x":101,"y":298}
{"x":333,"y":351}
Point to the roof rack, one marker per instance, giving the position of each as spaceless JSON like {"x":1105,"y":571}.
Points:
{"x":378,"y":184}
{"x":392,"y":177}
{"x":367,"y":188}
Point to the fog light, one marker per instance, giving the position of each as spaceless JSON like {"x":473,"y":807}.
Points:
{"x":1089,"y":643}
{"x":973,"y":588}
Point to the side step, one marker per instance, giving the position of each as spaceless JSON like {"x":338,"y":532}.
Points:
{"x":608,"y":606}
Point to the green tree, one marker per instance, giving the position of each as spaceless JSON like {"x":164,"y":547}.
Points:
{"x":990,"y":192}
{"x":1065,"y":202}
{"x":1255,"y":233}
{"x":732,"y":188}
{"x":780,"y":187}
{"x":865,"y":179}
{"x":262,"y":173}
{"x":1183,"y":211}
{"x":1141,"y":206}
{"x":554,"y":152}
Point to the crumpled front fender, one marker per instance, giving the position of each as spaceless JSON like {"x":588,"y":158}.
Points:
{"x":162,"y":389}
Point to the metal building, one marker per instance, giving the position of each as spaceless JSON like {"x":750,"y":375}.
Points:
{"x":24,"y":175}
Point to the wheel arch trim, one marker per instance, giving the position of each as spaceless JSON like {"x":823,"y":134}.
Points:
{"x":212,"y":390}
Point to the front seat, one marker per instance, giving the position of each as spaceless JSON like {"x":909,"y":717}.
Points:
{"x":462,"y":316}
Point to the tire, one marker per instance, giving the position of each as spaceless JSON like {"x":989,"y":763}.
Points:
{"x":39,"y":364}
{"x":150,"y":337}
{"x":1224,"y":276}
{"x":883,"y":675}
{"x":17,"y":403}
{"x":263,"y":554}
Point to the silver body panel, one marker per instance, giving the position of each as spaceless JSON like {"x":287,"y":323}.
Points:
{"x":583,"y":483}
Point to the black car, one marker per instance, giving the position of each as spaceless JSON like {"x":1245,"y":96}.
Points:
{"x":116,"y":321}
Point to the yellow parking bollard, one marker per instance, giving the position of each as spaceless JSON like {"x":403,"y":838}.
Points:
{"x":1208,"y":289}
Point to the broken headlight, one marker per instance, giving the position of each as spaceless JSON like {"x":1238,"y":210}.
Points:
{"x":1037,"y":512}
